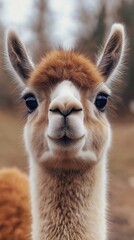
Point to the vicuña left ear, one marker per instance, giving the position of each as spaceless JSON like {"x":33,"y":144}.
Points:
{"x":111,"y":59}
{"x":18,"y":56}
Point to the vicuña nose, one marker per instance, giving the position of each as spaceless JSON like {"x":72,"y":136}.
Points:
{"x":66,"y":112}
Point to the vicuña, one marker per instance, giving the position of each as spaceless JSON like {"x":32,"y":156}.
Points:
{"x":67,"y":136}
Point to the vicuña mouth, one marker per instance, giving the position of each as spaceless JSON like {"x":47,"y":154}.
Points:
{"x":65,"y":140}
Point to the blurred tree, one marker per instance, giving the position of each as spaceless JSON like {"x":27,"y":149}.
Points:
{"x":38,"y":42}
{"x":89,"y":42}
{"x":5,"y":90}
{"x":120,"y":12}
{"x":92,"y":22}
{"x":39,"y":27}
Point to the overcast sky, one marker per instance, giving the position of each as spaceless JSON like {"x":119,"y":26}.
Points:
{"x":15,"y":11}
{"x":65,"y":27}
{"x":16,"y":14}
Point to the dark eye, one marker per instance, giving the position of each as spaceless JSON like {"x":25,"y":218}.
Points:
{"x":31,"y":102}
{"x":101,"y":101}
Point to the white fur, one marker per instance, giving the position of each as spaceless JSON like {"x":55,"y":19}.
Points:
{"x":64,"y":94}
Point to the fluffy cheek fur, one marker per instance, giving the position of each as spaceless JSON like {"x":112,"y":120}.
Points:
{"x":98,"y":138}
{"x":34,"y":137}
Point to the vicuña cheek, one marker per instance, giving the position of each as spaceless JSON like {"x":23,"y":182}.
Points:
{"x":28,"y":139}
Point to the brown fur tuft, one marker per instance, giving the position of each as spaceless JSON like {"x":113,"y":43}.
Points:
{"x":15,"y":219}
{"x":64,"y":65}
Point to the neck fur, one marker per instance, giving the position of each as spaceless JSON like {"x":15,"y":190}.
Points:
{"x":68,"y":205}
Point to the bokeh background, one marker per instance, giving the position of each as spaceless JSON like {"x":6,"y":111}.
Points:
{"x":43,"y":25}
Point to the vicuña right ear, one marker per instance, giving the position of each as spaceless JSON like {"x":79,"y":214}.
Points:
{"x":18,"y":56}
{"x":112,"y":56}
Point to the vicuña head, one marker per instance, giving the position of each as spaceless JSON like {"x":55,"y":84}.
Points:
{"x":67,"y":136}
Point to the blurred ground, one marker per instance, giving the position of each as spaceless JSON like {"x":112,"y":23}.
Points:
{"x":121,"y":195}
{"x":121,"y":167}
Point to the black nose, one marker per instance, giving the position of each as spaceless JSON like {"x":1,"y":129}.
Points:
{"x":67,"y":112}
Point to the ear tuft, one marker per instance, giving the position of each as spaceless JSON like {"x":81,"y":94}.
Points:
{"x":18,"y":56}
{"x":112,"y":56}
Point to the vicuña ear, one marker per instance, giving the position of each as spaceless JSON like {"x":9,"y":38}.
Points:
{"x":18,"y":56}
{"x":111,"y":59}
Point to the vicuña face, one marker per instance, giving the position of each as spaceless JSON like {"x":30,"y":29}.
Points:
{"x":66,"y":96}
{"x":67,"y":126}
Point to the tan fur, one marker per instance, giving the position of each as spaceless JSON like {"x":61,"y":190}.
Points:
{"x":70,"y":203}
{"x":15,"y":216}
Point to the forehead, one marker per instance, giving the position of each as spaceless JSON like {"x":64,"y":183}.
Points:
{"x":64,"y":89}
{"x":60,"y":65}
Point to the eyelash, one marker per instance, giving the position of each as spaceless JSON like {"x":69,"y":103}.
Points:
{"x":30,"y":101}
{"x":101,"y":101}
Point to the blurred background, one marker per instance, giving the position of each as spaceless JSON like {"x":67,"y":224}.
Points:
{"x":83,"y":24}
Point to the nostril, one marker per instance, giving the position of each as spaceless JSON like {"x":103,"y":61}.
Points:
{"x":56,"y":110}
{"x":67,"y":112}
{"x":73,"y":110}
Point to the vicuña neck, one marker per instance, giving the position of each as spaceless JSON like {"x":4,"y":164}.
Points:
{"x":68,"y":205}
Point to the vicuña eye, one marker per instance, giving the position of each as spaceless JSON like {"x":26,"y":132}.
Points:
{"x":101,"y":101}
{"x":31,"y":102}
